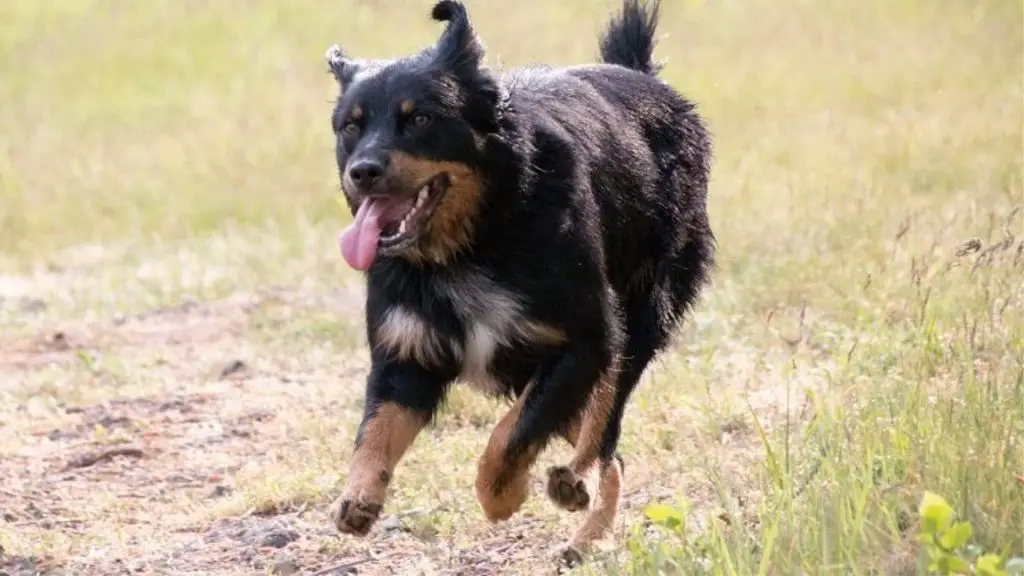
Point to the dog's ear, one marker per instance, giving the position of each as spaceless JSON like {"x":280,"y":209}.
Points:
{"x":458,"y":49}
{"x":460,"y":53}
{"x":343,"y":69}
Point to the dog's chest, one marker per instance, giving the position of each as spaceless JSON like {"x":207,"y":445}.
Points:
{"x":492,"y":318}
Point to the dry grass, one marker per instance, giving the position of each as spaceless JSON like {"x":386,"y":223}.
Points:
{"x":169,"y":281}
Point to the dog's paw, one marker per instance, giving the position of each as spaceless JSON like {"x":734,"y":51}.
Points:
{"x":567,"y":490}
{"x":351,"y":516}
{"x":508,"y":499}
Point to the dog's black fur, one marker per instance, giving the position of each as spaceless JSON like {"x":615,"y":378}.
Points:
{"x":577,"y":209}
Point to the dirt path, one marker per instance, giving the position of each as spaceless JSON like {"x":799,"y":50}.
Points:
{"x":208,"y":439}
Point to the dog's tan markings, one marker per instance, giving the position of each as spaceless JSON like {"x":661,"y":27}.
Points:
{"x":601,"y":518}
{"x":409,"y":337}
{"x":503,"y":485}
{"x":544,"y":334}
{"x":385,"y":439}
{"x":594,"y":422}
{"x":450,"y":228}
{"x":357,"y":112}
{"x":566,"y":485}
{"x":407,"y":106}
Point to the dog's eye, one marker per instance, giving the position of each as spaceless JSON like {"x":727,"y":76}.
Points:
{"x":351,"y":129}
{"x":420,"y":120}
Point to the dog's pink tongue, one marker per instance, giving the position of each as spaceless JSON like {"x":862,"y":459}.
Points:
{"x":359,"y":240}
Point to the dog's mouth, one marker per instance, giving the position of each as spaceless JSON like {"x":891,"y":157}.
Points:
{"x":397,"y":235}
{"x":386,"y":225}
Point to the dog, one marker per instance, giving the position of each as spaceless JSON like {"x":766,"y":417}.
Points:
{"x":538,"y":234}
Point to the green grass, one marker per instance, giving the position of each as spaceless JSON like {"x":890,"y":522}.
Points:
{"x":849,"y":356}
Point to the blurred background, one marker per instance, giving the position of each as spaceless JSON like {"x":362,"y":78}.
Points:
{"x":128,"y":122}
{"x":168,"y":208}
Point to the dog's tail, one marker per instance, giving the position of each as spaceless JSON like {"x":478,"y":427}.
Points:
{"x":629,"y":38}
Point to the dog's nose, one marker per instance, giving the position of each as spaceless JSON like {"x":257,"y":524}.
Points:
{"x":366,"y":173}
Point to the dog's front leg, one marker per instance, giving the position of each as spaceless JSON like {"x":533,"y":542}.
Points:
{"x":400,"y":400}
{"x":503,"y":477}
{"x":547,"y":406}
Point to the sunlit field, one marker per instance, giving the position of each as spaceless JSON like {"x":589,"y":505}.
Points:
{"x":182,"y":351}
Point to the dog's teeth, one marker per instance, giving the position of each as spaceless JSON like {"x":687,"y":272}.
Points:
{"x":422,"y":196}
{"x":401,"y":227}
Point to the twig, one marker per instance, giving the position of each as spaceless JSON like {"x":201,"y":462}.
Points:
{"x":342,"y":566}
{"x":63,"y":521}
{"x":23,"y":495}
{"x":91,"y":458}
{"x":10,"y":493}
{"x":414,"y":512}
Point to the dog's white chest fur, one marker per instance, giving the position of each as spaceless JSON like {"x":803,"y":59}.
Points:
{"x":492,"y":317}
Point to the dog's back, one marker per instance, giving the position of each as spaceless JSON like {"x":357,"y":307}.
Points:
{"x":638,"y":143}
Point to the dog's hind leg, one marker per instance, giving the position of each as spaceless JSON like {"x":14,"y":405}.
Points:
{"x":602,"y":514}
{"x":652,"y":315}
{"x":566,"y":486}
{"x":650,"y":319}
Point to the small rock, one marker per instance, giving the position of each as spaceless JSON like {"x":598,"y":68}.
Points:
{"x":233,"y":367}
{"x":177,"y":404}
{"x":392,"y":524}
{"x":35,"y":511}
{"x":284,"y":565}
{"x":33,"y":305}
{"x":59,"y":340}
{"x":219,"y":491}
{"x":247,"y":555}
{"x":569,"y":557}
{"x":260,"y":415}
{"x":969,"y":247}
{"x":279,"y":538}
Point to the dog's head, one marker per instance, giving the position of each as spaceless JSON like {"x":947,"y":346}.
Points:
{"x":409,"y":143}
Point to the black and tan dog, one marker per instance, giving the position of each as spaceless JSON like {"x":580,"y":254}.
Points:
{"x":537,"y":234}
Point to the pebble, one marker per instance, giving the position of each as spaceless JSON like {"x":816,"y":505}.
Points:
{"x":278,"y":538}
{"x":284,"y":565}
